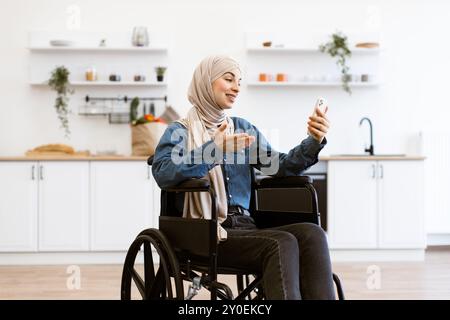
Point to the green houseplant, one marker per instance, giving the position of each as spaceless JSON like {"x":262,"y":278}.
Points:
{"x":338,"y":47}
{"x":59,"y":81}
{"x":160,"y":71}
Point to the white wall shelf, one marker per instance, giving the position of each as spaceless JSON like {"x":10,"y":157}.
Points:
{"x":310,"y":84}
{"x":118,"y":57}
{"x":306,"y":50}
{"x":108,"y":84}
{"x":98,"y":49}
{"x":304,"y":65}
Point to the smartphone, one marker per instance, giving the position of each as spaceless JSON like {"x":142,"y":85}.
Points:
{"x":321,"y":104}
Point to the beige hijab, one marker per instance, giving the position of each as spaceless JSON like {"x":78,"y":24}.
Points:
{"x":201,"y":122}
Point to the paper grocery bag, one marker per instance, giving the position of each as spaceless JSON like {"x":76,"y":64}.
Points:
{"x":145,"y":138}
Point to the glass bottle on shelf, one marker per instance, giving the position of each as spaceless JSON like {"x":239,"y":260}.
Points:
{"x":91,"y":74}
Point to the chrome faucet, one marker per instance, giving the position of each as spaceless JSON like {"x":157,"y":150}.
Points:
{"x":370,"y":149}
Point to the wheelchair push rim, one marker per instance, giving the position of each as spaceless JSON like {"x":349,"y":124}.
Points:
{"x":156,"y":284}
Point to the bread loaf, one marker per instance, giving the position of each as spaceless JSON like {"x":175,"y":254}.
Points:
{"x":368,"y":45}
{"x":54,"y":148}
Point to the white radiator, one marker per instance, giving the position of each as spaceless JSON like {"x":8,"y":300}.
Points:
{"x":436,"y":149}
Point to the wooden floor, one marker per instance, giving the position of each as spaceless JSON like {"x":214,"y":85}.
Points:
{"x":429,"y":279}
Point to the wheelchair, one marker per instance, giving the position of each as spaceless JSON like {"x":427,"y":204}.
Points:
{"x":187,"y":248}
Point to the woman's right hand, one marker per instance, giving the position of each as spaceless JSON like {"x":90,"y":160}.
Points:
{"x":231,"y":142}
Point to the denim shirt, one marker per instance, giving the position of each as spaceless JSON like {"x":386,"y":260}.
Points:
{"x":172,"y":163}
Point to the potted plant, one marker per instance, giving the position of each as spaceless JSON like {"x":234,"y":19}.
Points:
{"x":59,"y":81}
{"x":338,"y":47}
{"x":160,"y":73}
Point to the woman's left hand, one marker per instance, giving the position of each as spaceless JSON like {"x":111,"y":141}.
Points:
{"x":318,"y":124}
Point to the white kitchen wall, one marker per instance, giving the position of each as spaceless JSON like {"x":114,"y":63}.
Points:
{"x":414,"y":67}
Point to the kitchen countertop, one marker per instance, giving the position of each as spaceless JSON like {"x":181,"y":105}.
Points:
{"x":367,"y":157}
{"x":73,"y":158}
{"x":140,"y":158}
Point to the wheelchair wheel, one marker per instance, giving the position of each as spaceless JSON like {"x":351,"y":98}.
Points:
{"x":156,"y":282}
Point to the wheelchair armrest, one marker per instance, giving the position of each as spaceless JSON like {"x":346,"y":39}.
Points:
{"x":282,"y":182}
{"x":191,"y":185}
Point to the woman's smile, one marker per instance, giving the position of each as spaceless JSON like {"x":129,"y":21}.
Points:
{"x":231,"y":97}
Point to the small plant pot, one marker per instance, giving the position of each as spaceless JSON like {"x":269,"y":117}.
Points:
{"x":160,"y":78}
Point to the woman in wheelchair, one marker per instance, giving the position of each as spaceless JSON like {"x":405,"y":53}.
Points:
{"x":293,"y":259}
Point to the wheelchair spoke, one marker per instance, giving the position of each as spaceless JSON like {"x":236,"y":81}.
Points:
{"x":152,"y":285}
{"x":251,"y":286}
{"x":157,"y":287}
{"x":139,"y":282}
{"x":166,"y":272}
{"x":169,"y":264}
{"x":240,"y":283}
{"x":149,"y":270}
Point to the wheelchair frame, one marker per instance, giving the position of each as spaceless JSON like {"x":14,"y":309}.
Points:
{"x":183,"y":257}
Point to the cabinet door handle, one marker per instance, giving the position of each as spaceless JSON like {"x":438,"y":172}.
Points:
{"x":148,"y":173}
{"x":41,"y":172}
{"x":374,"y":170}
{"x":381,"y":171}
{"x":33,"y":167}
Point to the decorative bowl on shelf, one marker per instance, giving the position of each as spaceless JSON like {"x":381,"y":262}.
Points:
{"x":139,"y":78}
{"x":115,"y":77}
{"x":61,"y":43}
{"x":106,"y":152}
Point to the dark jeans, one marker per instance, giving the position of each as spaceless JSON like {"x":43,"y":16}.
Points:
{"x":293,"y":259}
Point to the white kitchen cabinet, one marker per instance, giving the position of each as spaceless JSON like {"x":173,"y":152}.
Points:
{"x":18,"y":206}
{"x":352,"y":211}
{"x":376,"y":204}
{"x":401,"y":204}
{"x":44,"y":206}
{"x":63,"y":205}
{"x":121,"y":203}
